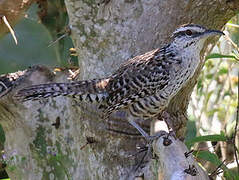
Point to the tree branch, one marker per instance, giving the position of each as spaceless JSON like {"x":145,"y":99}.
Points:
{"x":174,"y":163}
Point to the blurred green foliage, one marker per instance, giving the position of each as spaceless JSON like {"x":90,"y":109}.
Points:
{"x":34,"y":34}
{"x":214,"y":105}
{"x":31,"y":49}
{"x":213,"y":138}
{"x":213,"y":158}
{"x":42,"y":24}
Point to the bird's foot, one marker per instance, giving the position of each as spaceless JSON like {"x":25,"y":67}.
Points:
{"x":147,"y":149}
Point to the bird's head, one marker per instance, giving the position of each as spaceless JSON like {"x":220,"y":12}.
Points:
{"x":192,"y":35}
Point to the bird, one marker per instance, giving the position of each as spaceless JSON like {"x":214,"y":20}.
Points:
{"x":143,"y":85}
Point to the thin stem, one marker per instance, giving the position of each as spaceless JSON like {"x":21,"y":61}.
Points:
{"x":237,"y":118}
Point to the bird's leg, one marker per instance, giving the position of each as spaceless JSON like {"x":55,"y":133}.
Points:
{"x":144,"y":134}
{"x":147,"y":137}
{"x":169,"y":121}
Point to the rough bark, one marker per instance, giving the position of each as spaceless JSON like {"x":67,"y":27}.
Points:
{"x":176,"y":165}
{"x":105,"y":34}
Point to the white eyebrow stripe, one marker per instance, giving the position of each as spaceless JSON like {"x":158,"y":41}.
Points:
{"x":182,"y":29}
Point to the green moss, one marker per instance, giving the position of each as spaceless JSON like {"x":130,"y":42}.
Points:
{"x":61,"y":162}
{"x":92,"y":36}
{"x":81,"y":27}
{"x":93,"y":33}
{"x":90,"y":3}
{"x":101,"y":21}
{"x":86,"y":44}
{"x":87,"y":17}
{"x":11,"y":168}
{"x":2,"y":136}
{"x":49,"y":131}
{"x":57,"y":162}
{"x":23,"y":159}
{"x":94,"y":13}
{"x":40,"y":141}
{"x":41,"y":117}
{"x":67,"y":126}
{"x":15,"y":164}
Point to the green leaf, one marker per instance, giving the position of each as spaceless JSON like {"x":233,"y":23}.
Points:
{"x":208,"y":156}
{"x":213,"y":158}
{"x":227,"y":93}
{"x":191,"y":130}
{"x":229,"y":174}
{"x":222,"y":133}
{"x":223,"y":71}
{"x":216,"y":137}
{"x":200,"y":87}
{"x":209,"y":76}
{"x":208,"y":97}
{"x":212,"y":112}
{"x":216,"y":55}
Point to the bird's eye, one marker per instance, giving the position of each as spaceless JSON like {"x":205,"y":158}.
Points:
{"x":188,"y":32}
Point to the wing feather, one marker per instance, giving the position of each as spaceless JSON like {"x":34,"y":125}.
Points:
{"x":139,"y":77}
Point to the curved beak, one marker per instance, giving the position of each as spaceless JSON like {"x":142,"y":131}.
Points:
{"x":213,"y":32}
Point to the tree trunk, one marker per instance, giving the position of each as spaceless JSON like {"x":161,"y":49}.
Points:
{"x":47,"y":139}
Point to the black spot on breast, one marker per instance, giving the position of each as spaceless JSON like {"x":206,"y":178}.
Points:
{"x":172,"y":55}
{"x":151,"y":103}
{"x":134,"y":108}
{"x":162,"y":86}
{"x":121,"y":92}
{"x":121,"y":82}
{"x":140,"y":78}
{"x":126,"y":87}
{"x":164,"y":78}
{"x":136,"y":81}
{"x":157,"y":98}
{"x":140,"y":105}
{"x":161,"y":96}
{"x":132,"y":99}
{"x":116,"y":85}
{"x":150,"y":113}
{"x":164,"y":73}
{"x":189,"y":44}
{"x":145,"y":91}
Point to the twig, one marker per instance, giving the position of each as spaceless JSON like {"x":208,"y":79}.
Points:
{"x":67,"y":32}
{"x":10,"y":28}
{"x":58,"y":39}
{"x":231,"y":41}
{"x":232,"y":25}
{"x":217,"y":170}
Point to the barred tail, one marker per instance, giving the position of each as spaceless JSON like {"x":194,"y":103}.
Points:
{"x":89,"y":90}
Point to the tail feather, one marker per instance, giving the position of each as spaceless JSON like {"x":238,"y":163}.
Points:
{"x":89,"y":90}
